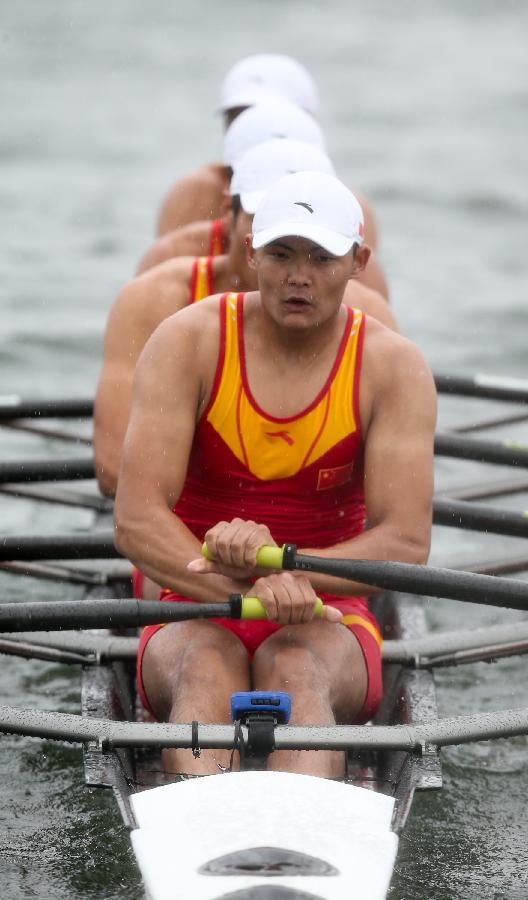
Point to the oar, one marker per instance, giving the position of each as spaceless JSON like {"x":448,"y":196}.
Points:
{"x":490,"y":422}
{"x":99,"y":545}
{"x":14,"y":407}
{"x":426,"y":581}
{"x":54,"y":493}
{"x":504,"y":453}
{"x":486,"y":490}
{"x":72,"y":614}
{"x":506,"y":565}
{"x":490,"y":387}
{"x":46,"y":470}
{"x":45,"y":431}
{"x":475,"y":517}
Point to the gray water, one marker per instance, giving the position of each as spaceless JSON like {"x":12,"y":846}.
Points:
{"x":424,"y":105}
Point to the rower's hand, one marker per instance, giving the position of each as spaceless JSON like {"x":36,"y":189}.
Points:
{"x":289,"y":599}
{"x":234,"y":546}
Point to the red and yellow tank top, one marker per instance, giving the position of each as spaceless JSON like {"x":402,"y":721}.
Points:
{"x":301,"y":475}
{"x":217,"y":238}
{"x":201,"y":279}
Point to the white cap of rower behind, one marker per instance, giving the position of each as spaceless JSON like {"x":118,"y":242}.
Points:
{"x":254,"y":78}
{"x":310,"y":205}
{"x":264,"y":164}
{"x":274,"y":118}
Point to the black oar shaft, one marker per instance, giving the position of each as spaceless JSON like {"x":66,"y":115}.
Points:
{"x":505,"y":453}
{"x":474,"y":517}
{"x":425,"y":580}
{"x":18,"y":408}
{"x":487,"y":386}
{"x":46,"y":470}
{"x":99,"y":545}
{"x":70,"y":615}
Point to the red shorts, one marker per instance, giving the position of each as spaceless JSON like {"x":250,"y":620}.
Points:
{"x":357,"y":617}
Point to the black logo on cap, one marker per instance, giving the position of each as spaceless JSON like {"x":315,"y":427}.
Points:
{"x":306,"y":205}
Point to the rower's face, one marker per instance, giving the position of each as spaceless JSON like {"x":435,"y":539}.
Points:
{"x":301,"y":284}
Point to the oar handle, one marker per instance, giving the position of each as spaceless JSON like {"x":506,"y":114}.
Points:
{"x":252,"y":608}
{"x":268,"y":557}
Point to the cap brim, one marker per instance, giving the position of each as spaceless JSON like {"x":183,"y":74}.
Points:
{"x":331,"y":241}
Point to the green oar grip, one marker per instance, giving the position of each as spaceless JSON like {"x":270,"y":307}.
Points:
{"x":252,"y":608}
{"x":267,"y":557}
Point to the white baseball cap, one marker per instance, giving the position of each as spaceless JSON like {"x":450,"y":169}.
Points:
{"x":274,"y":118}
{"x":264,"y":164}
{"x":251,"y":79}
{"x":311,"y":205}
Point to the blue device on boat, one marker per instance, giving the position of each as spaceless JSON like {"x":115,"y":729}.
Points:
{"x":275,"y":704}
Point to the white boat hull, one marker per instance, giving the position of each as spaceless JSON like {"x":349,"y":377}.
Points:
{"x":190,"y":831}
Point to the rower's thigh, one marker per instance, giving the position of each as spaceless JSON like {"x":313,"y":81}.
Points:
{"x":322,"y":656}
{"x":185,"y":654}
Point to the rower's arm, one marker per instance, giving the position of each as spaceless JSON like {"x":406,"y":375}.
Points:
{"x":123,"y":341}
{"x":172,"y":384}
{"x":399,"y":421}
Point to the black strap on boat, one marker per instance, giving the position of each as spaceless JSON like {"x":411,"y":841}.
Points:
{"x":238,"y":744}
{"x":195,"y":747}
{"x":261,"y":740}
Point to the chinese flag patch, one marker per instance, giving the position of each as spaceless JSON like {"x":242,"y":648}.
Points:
{"x":331,"y":478}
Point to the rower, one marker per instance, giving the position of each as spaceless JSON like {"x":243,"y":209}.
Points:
{"x":273,"y":416}
{"x":252,"y":81}
{"x":148,"y":299}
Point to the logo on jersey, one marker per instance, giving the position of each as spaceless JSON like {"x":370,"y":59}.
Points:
{"x":285,"y":435}
{"x":305,"y":205}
